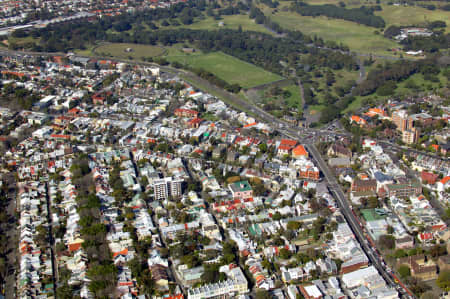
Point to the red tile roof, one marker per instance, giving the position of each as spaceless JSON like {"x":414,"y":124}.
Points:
{"x":288,"y":142}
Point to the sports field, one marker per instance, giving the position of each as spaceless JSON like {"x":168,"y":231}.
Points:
{"x":119,"y":50}
{"x":226,"y":67}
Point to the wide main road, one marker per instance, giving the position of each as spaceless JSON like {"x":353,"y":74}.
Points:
{"x":335,"y":188}
{"x":371,"y":253}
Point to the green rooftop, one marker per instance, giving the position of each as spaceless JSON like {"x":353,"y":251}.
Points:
{"x":241,"y":186}
{"x":413,"y":184}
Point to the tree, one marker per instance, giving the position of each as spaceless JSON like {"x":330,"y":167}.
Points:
{"x":392,"y":31}
{"x":387,"y":242}
{"x":144,"y":182}
{"x":329,"y":78}
{"x":417,"y":286}
{"x":438,"y":250}
{"x":404,"y":271}
{"x":146,"y":282}
{"x":229,"y":252}
{"x":294,"y":225}
{"x":190,"y":260}
{"x":285,"y":254}
{"x":229,"y":258}
{"x":210,"y":273}
{"x":390,"y":229}
{"x":262,"y":294}
{"x":65,"y":291}
{"x":400,"y":253}
{"x":437,"y":24}
{"x":263,"y":147}
{"x":387,"y":89}
{"x":276,"y":216}
{"x":443,"y":280}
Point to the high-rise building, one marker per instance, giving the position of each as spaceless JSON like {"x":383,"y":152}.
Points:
{"x":163,"y":188}
{"x":160,"y":189}
{"x":175,"y":187}
{"x":410,"y":136}
{"x":401,"y":120}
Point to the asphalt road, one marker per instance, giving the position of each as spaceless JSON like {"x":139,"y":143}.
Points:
{"x":347,"y":212}
{"x":410,"y":150}
{"x":343,"y":204}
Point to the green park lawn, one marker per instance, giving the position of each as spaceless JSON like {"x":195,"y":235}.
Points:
{"x":226,"y":67}
{"x":412,"y":15}
{"x":358,"y":38}
{"x":418,"y":80}
{"x":403,"y":88}
{"x":22,"y":40}
{"x":229,"y":22}
{"x":118,"y":50}
{"x":315,"y":108}
{"x":295,"y":100}
{"x":355,"y":105}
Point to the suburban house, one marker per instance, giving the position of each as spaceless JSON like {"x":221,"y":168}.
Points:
{"x":339,"y":150}
{"x":285,"y":147}
{"x":311,"y":292}
{"x":358,"y":120}
{"x":299,"y":151}
{"x":428,"y":177}
{"x":241,"y":190}
{"x":180,"y":112}
{"x":443,"y":184}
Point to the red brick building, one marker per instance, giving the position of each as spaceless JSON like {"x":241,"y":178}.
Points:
{"x":308,"y":172}
{"x":428,"y":177}
{"x":186,"y":113}
{"x":359,"y":185}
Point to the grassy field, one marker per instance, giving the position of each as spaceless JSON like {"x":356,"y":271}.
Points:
{"x":342,"y":78}
{"x":22,"y":40}
{"x":118,"y":50}
{"x":358,"y":38}
{"x":280,"y":103}
{"x":229,"y":22}
{"x":195,"y":82}
{"x":411,"y":15}
{"x":349,"y":3}
{"x":423,"y":84}
{"x":295,"y":100}
{"x":404,"y":88}
{"x":354,"y":105}
{"x":226,"y":67}
{"x":314,"y":109}
{"x":85,"y":52}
